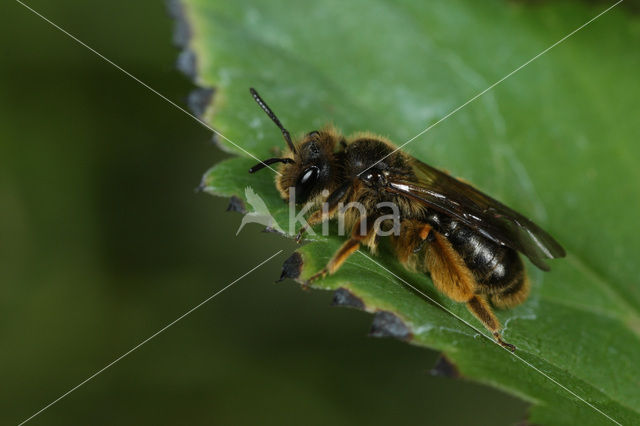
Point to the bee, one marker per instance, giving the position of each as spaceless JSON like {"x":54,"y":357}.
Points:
{"x":465,"y":240}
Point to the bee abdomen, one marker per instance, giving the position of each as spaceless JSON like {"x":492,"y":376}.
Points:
{"x":495,"y":267}
{"x":514,"y":294}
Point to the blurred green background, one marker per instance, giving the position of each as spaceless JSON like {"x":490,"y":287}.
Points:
{"x":103,"y":241}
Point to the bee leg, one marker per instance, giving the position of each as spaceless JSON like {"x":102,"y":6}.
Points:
{"x":418,"y":248}
{"x":319,"y":216}
{"x":452,"y":277}
{"x":343,"y":253}
{"x":316,"y":217}
{"x":480,"y":308}
{"x":411,"y":240}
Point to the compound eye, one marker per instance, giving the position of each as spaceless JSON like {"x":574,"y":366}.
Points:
{"x":308,"y":175}
{"x":305,"y":184}
{"x":313,"y":134}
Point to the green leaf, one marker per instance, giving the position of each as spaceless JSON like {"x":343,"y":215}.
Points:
{"x":554,"y":141}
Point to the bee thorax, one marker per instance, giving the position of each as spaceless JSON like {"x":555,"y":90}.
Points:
{"x":374,"y":178}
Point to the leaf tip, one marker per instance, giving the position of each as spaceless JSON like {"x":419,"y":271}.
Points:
{"x":386,"y":324}
{"x":272,"y":230}
{"x":199,"y":100}
{"x":343,"y":297}
{"x":291,"y":267}
{"x":444,"y":368}
{"x":236,"y":205}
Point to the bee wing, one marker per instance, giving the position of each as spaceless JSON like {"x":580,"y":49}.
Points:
{"x":482,"y":213}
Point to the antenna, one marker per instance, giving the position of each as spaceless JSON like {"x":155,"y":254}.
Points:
{"x":261,"y":165}
{"x":272,"y":116}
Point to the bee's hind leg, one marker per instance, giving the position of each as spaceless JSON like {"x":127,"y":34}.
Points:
{"x":481,"y":309}
{"x":452,"y":277}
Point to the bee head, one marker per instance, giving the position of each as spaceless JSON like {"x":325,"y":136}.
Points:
{"x":310,"y":165}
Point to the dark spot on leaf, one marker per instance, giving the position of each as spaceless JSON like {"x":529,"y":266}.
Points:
{"x":343,"y":297}
{"x":444,"y":368}
{"x":236,"y":205}
{"x":270,"y":230}
{"x":201,"y":187}
{"x":186,"y":63}
{"x":199,"y":100}
{"x":181,"y":29}
{"x":291,"y":267}
{"x":386,"y":324}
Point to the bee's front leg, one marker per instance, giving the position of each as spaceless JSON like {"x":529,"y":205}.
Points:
{"x":316,"y":217}
{"x":319,"y":216}
{"x":347,"y":249}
